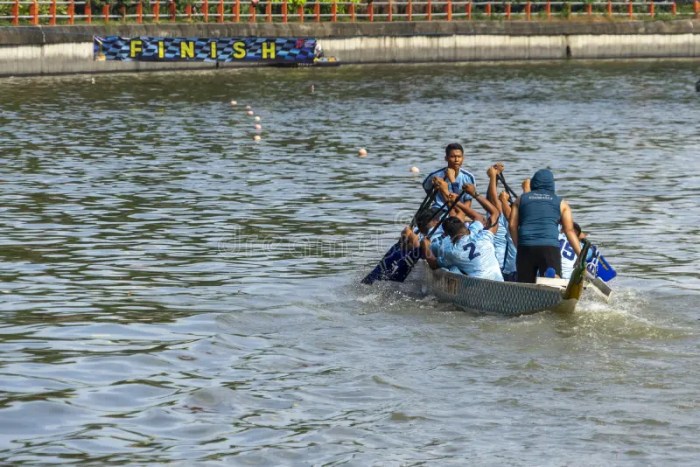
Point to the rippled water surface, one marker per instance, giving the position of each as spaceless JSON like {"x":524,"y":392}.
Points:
{"x":173,"y":291}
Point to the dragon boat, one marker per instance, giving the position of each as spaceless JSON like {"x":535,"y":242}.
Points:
{"x":507,"y":298}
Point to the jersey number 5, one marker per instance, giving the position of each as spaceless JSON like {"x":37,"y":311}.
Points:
{"x":567,"y":251}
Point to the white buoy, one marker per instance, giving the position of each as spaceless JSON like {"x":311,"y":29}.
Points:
{"x":247,"y":107}
{"x":415,"y":170}
{"x":258,"y":126}
{"x":234,"y":103}
{"x":362,"y":152}
{"x":257,"y":118}
{"x":256,"y":138}
{"x":250,"y":112}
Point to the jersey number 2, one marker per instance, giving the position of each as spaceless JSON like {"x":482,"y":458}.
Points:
{"x":472,"y":251}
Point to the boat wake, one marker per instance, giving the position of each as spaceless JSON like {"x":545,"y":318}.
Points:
{"x":628,"y":315}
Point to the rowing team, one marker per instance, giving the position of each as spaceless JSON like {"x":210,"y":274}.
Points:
{"x":535,"y":235}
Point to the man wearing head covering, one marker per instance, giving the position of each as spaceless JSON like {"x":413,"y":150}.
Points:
{"x":534,"y":228}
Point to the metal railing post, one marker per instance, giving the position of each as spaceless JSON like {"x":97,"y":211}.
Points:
{"x":34,"y":12}
{"x":52,"y":13}
{"x":15,"y":13}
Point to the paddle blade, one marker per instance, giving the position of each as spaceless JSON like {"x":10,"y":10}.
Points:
{"x":395,"y":266}
{"x":598,"y":266}
{"x":605,"y":271}
{"x":600,"y":287}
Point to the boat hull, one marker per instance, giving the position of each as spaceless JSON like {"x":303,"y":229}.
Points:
{"x":502,"y":298}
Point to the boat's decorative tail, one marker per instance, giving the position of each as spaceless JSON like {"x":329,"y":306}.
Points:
{"x":575,"y":286}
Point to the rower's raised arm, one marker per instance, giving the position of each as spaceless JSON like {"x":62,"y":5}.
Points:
{"x":513,"y":221}
{"x":504,"y":198}
{"x":492,"y":192}
{"x":490,"y":208}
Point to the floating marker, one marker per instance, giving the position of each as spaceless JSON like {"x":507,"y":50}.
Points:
{"x":258,"y":126}
{"x":250,"y":112}
{"x":256,"y":138}
{"x":362,"y":152}
{"x":415,"y":170}
{"x":234,"y":103}
{"x":257,"y":118}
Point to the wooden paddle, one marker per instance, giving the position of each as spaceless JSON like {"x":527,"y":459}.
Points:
{"x":397,"y":264}
{"x":388,"y":267}
{"x":511,"y":193}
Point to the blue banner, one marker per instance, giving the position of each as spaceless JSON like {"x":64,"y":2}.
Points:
{"x":198,"y":49}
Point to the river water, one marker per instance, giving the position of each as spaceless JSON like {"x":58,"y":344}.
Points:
{"x":175,"y":292}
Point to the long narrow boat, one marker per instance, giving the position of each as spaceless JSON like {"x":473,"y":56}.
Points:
{"x":505,"y":298}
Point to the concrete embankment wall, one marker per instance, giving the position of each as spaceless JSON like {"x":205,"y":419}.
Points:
{"x":68,"y":49}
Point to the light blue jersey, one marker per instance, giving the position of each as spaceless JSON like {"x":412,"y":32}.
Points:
{"x":505,"y":248}
{"x":473,"y":254}
{"x":463,"y":177}
{"x":435,"y":240}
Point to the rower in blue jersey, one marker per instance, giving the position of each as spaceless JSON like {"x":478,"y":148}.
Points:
{"x":503,"y":243}
{"x":426,"y":222}
{"x":468,"y":250}
{"x":534,"y":227}
{"x":454,"y":176}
